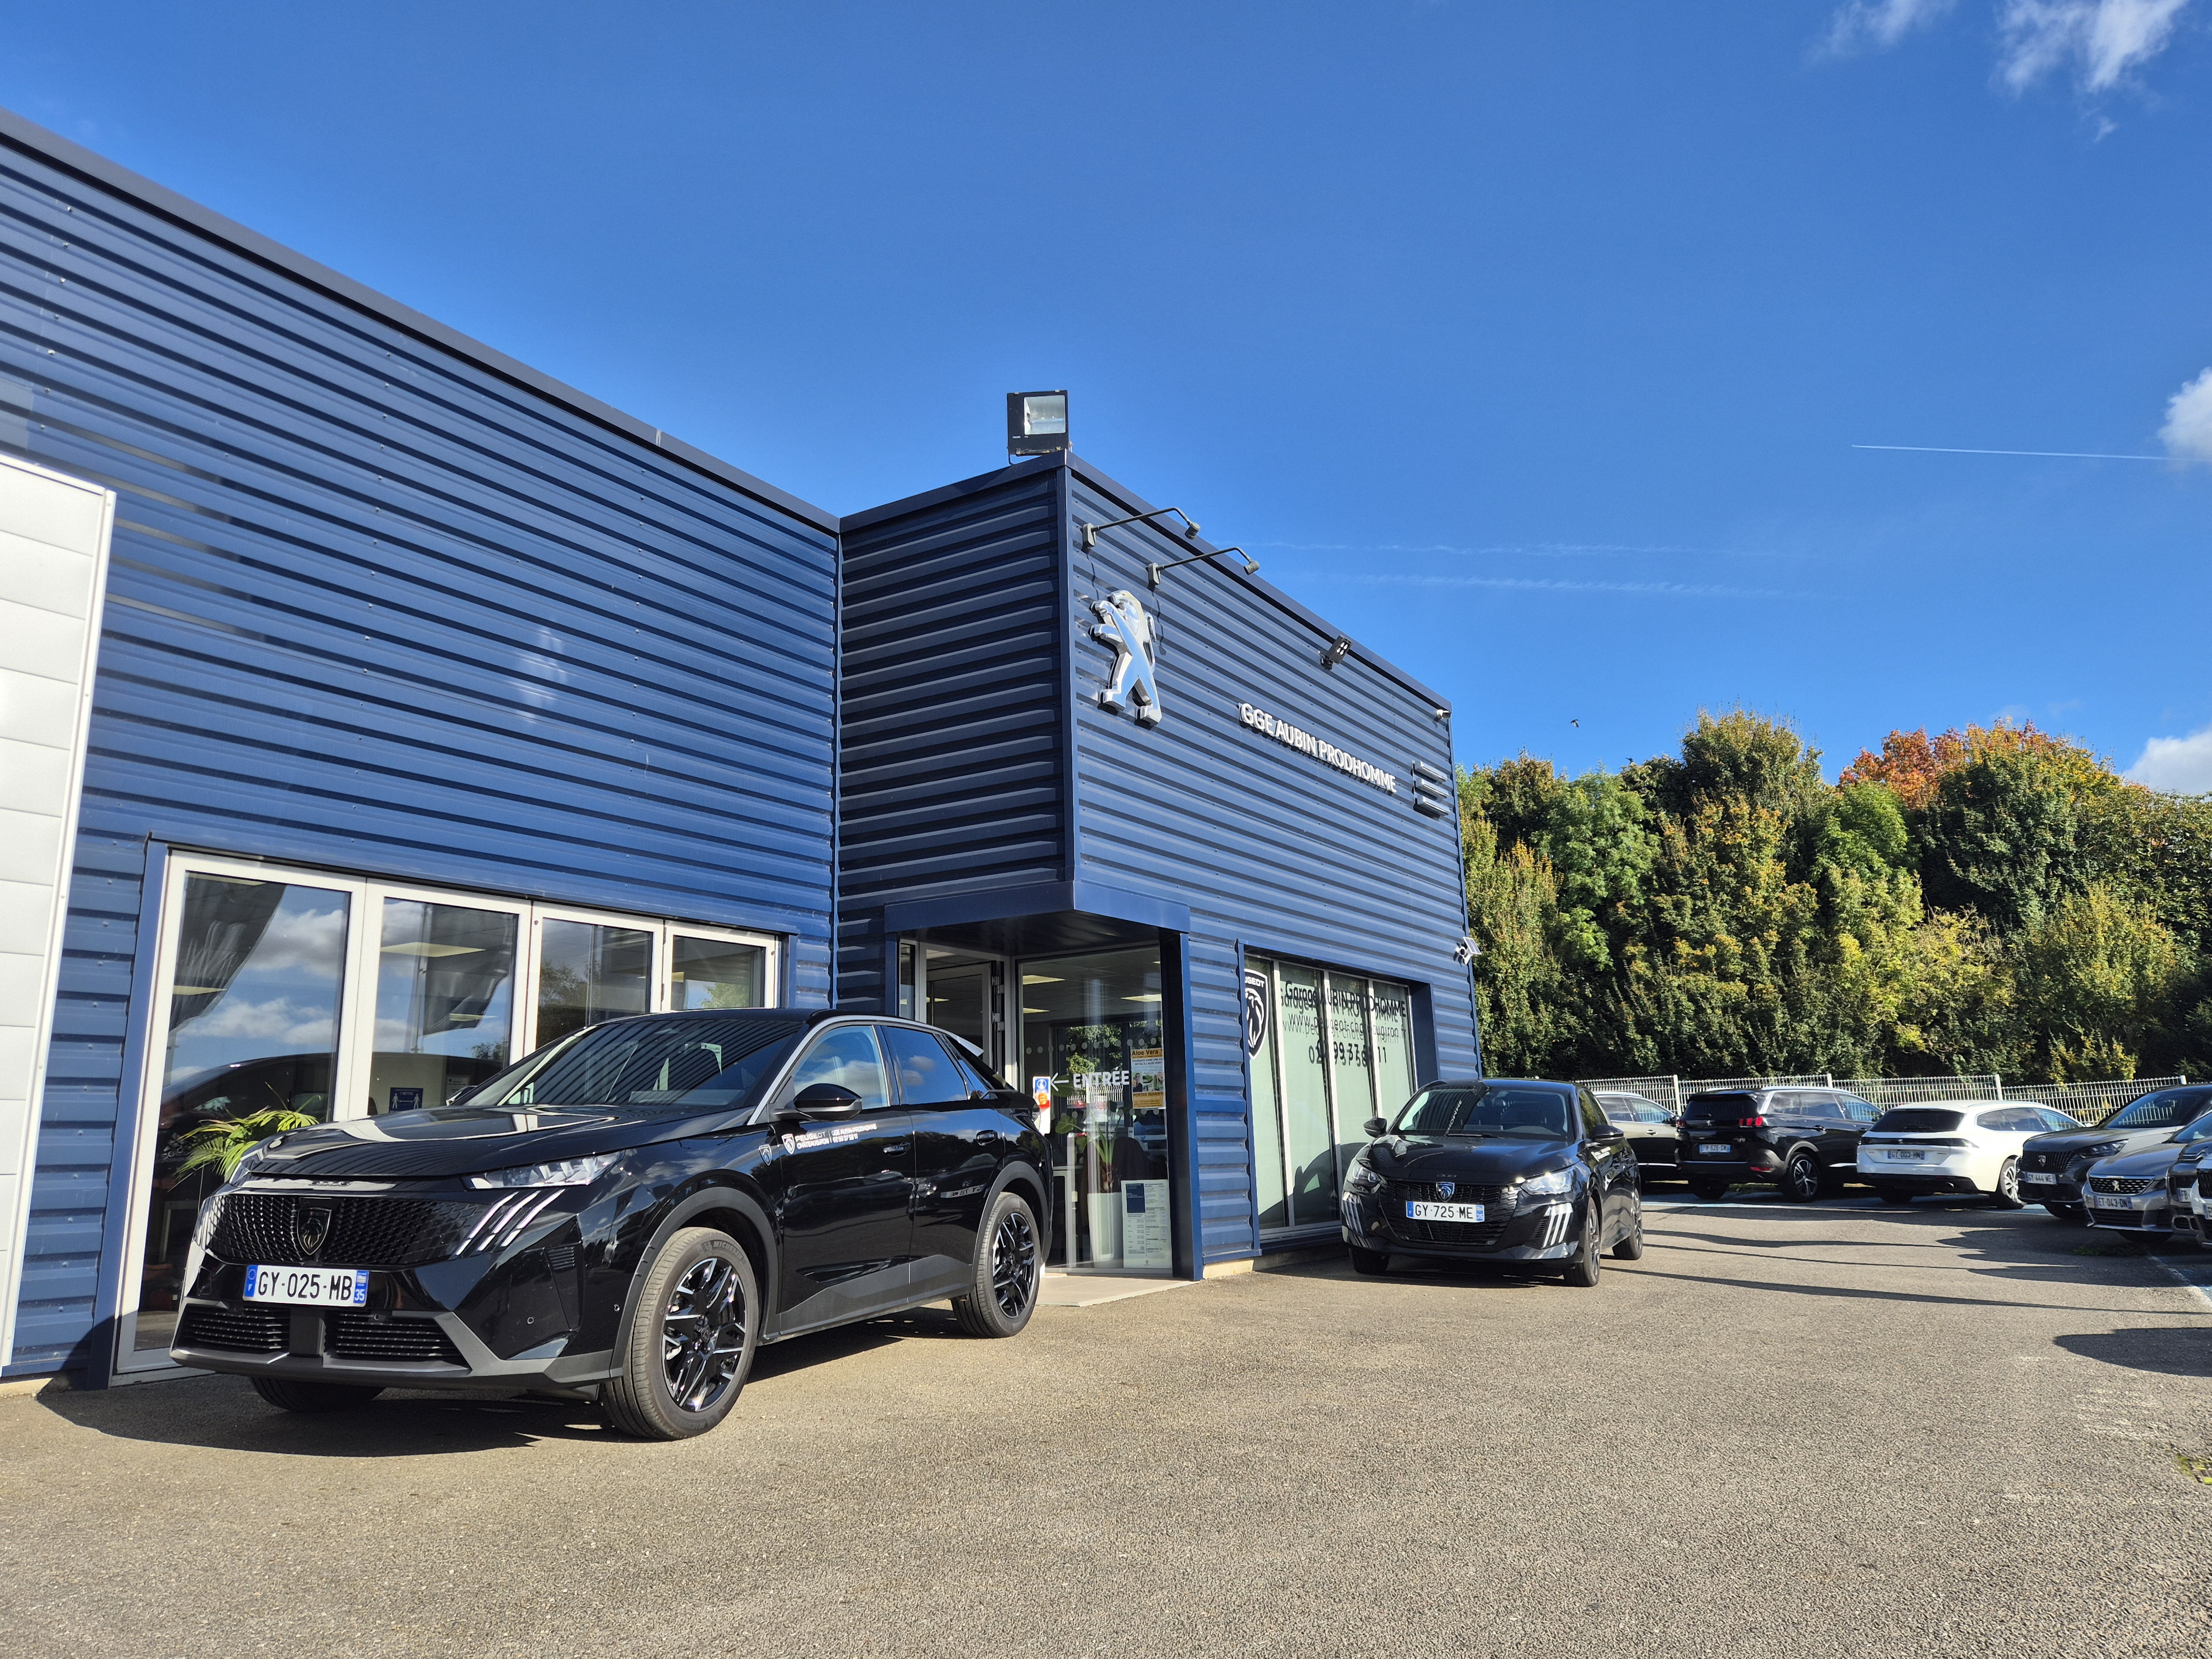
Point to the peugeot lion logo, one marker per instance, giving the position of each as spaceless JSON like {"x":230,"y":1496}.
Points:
{"x":1446,"y":1188}
{"x":1123,"y":624}
{"x":313,"y":1227}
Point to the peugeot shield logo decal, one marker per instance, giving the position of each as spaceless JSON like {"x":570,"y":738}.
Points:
{"x":1255,"y":1010}
{"x":312,"y":1227}
{"x":1123,"y":624}
{"x":1446,"y":1188}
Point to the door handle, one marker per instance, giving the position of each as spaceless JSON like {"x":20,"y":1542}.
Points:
{"x":895,"y":1149}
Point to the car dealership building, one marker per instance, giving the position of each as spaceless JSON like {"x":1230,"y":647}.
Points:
{"x":374,"y":709}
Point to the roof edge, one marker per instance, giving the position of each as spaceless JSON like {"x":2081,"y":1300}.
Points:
{"x":20,"y":133}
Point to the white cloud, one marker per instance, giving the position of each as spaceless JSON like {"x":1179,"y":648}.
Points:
{"x":2181,"y":766}
{"x":2187,"y":433}
{"x":279,"y":1025}
{"x":1879,"y":24}
{"x":2103,"y":39}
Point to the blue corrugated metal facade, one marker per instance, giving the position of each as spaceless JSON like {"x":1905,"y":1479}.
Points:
{"x":383,"y":604}
{"x":375,"y":606}
{"x":1217,"y":839}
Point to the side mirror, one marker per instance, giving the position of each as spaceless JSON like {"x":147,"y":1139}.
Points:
{"x":826,"y":1100}
{"x":1376,"y":1128}
{"x":1608,"y":1132}
{"x":818,"y":1100}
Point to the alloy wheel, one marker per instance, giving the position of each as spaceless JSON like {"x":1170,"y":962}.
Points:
{"x":1803,"y":1184}
{"x":1013,"y":1262}
{"x":703,"y":1334}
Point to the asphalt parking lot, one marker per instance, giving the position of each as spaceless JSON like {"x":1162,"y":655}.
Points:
{"x":1832,"y":1429}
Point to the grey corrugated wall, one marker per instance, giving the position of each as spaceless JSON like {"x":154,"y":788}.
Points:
{"x":379,"y":608}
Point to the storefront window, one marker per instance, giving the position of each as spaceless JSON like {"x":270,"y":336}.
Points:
{"x":1327,"y":1052}
{"x":252,"y":1027}
{"x":1352,"y":1064}
{"x":588,"y":971}
{"x":716,"y":973}
{"x":1093,"y":1043}
{"x":1260,"y":1047}
{"x":269,"y":1003}
{"x":445,"y":1002}
{"x":1395,"y":1080}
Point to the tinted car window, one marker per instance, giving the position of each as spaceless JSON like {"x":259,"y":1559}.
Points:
{"x":926,"y":1074}
{"x":2011,"y":1119}
{"x":2167,"y":1109}
{"x":1856,"y":1110}
{"x":658,"y":1064}
{"x":2198,"y":1131}
{"x":1489,"y":1109}
{"x":1727,"y":1104}
{"x":1918,"y":1120}
{"x":2055,"y":1119}
{"x":846,"y":1057}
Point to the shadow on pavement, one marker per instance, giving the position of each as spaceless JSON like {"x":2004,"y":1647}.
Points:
{"x":224,"y":1414}
{"x":2169,"y":1349}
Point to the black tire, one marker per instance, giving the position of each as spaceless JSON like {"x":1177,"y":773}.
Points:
{"x":1590,"y":1260}
{"x":1893,"y":1194}
{"x":2006,"y":1195}
{"x":1009,"y":1269}
{"x":1709,"y":1191}
{"x":298,"y":1395}
{"x":1801,"y":1180}
{"x":694,"y":1328}
{"x":1630,"y":1246}
{"x":2076,"y":1213}
{"x":1371,"y":1262}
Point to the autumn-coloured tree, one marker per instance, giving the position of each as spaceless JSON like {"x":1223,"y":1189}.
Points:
{"x":1913,"y":765}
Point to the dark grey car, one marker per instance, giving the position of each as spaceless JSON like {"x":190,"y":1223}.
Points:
{"x":2052,"y":1166}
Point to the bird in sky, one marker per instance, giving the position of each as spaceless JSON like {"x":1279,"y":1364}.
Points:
{"x":1576,"y":724}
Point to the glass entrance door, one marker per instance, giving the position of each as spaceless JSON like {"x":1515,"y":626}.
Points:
{"x":1093,"y":1042}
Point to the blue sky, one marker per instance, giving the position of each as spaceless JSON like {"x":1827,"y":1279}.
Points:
{"x":1530,"y":343}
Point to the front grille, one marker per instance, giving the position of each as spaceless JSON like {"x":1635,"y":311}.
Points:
{"x":249,"y":1330}
{"x":1497,"y":1211}
{"x":404,"y":1341}
{"x":364,"y":1231}
{"x":2051,"y":1161}
{"x":2120,"y":1184}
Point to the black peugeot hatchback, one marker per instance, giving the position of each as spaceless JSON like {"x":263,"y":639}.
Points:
{"x":624,"y":1215}
{"x":1507,"y":1170}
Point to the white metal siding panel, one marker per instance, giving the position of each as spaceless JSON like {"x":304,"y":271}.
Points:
{"x":53,"y":572}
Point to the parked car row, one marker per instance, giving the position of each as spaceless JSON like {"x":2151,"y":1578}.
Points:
{"x":2146,"y":1169}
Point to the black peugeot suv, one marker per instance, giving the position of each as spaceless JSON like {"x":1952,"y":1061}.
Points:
{"x":1806,"y":1141}
{"x":624,"y":1217}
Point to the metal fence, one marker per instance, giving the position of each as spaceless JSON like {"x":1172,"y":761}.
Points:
{"x":2092,"y":1102}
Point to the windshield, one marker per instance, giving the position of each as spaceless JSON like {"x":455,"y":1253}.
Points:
{"x":683,"y":1063}
{"x":1484,"y":1109}
{"x":2162,"y":1110}
{"x":1918,"y":1120}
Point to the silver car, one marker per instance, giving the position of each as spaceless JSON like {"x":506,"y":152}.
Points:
{"x":2130,"y":1191}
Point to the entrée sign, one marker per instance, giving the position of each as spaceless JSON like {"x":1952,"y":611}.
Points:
{"x":1306,"y":743}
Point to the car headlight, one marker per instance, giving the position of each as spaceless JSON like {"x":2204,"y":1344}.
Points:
{"x":1551,"y":1184}
{"x":2102,"y":1149}
{"x":1365,"y":1177}
{"x":567,"y":1172}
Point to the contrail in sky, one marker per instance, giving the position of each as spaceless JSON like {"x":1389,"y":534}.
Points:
{"x":2045,"y":454}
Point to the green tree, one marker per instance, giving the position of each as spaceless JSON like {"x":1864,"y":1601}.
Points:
{"x":2003,"y":837}
{"x":2097,"y":976}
